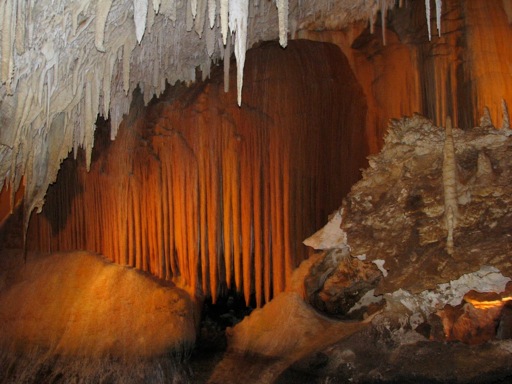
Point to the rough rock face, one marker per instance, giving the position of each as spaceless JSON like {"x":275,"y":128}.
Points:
{"x":395,"y":217}
{"x":397,"y":212}
{"x":396,"y":221}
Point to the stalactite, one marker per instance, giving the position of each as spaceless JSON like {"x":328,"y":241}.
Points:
{"x":127,"y":51}
{"x":200,"y":18}
{"x":212,"y":10}
{"x":450,"y":186}
{"x":102,"y":11}
{"x":427,"y":15}
{"x":224,"y":19}
{"x":156,"y":5}
{"x":210,"y":42}
{"x":140,"y":9}
{"x":282,"y":6}
{"x":20,"y":27}
{"x":439,"y":6}
{"x":150,"y":20}
{"x":227,"y":60}
{"x":238,"y":14}
{"x":9,"y":24}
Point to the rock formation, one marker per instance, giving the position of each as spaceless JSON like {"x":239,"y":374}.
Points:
{"x":387,"y":280}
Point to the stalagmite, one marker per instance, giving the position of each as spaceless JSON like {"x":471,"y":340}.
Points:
{"x":102,"y":10}
{"x":238,"y":14}
{"x":506,"y":119}
{"x":450,"y":186}
{"x":486,"y":120}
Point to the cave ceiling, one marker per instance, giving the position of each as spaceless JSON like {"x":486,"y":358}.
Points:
{"x":65,"y":62}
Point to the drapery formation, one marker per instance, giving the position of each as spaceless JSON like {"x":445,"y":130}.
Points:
{"x":201,"y":190}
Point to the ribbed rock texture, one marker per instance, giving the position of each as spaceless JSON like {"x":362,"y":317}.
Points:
{"x":196,"y":188}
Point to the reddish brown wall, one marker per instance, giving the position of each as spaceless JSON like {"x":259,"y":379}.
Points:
{"x":457,"y":74}
{"x":197,"y":188}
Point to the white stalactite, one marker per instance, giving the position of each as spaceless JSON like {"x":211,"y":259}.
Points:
{"x":102,"y":11}
{"x":224,"y":19}
{"x":9,"y":22}
{"x":427,"y":14}
{"x":238,"y":14}
{"x":282,"y":6}
{"x":439,"y":6}
{"x":200,"y":17}
{"x":193,"y":5}
{"x":212,"y":9}
{"x":20,"y":27}
{"x":156,"y":5}
{"x":140,"y":10}
{"x":127,"y":52}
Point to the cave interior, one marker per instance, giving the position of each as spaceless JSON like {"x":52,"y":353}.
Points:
{"x":255,"y":191}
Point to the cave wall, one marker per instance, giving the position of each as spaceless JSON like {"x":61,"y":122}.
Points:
{"x":458,"y":73}
{"x":196,"y":189}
